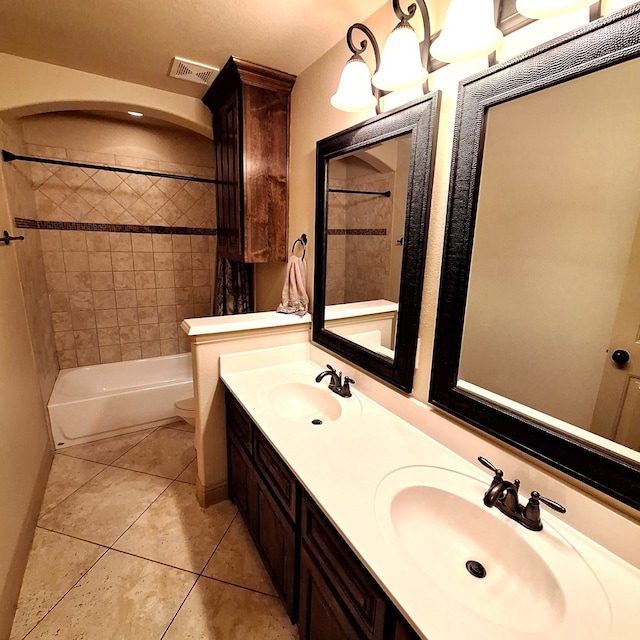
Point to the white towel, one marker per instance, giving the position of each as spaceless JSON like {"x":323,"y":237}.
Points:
{"x":294,"y":293}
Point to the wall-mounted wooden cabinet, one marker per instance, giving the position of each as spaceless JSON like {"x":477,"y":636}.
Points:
{"x":250,"y":107}
{"x":324,"y":586}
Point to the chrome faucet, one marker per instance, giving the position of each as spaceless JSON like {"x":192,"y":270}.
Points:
{"x":503,"y":495}
{"x":337,"y":385}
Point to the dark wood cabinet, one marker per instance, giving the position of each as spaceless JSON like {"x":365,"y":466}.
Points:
{"x":250,"y":106}
{"x":242,"y":481}
{"x":323,"y":584}
{"x":321,"y":613}
{"x":356,"y":592}
{"x":258,"y":486}
{"x":276,"y":538}
{"x":402,"y":630}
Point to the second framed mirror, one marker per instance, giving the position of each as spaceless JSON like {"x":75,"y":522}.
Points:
{"x":372,"y":210}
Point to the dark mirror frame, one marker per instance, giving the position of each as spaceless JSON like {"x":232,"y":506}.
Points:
{"x":420,"y":118}
{"x":603,"y":43}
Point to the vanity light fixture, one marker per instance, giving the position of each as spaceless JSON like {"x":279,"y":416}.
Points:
{"x":469,"y":31}
{"x":355,"y":92}
{"x":539,"y":9}
{"x":404,"y":60}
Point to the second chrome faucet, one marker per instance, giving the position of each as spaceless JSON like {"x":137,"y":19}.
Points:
{"x":503,"y":495}
{"x":337,"y":384}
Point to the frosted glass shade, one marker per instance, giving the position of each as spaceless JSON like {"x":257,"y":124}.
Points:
{"x":469,"y":31}
{"x":354,"y":89}
{"x":401,"y":63}
{"x":549,"y":8}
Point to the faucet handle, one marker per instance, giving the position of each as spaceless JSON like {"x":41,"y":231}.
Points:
{"x":552,"y":504}
{"x":498,"y":472}
{"x":330,"y":368}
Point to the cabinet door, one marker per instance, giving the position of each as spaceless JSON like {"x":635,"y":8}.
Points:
{"x":402,"y":630}
{"x":242,"y":482}
{"x":226,"y":136}
{"x":358,"y":592}
{"x":276,"y":540}
{"x":321,"y":616}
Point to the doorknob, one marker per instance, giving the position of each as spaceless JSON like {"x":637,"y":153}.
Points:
{"x":620,"y":357}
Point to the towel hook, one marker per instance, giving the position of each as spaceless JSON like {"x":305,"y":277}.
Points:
{"x":303,"y":241}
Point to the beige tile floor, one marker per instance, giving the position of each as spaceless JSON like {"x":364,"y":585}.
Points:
{"x":122,"y":550}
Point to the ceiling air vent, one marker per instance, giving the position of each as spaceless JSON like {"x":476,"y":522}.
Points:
{"x":192,"y":71}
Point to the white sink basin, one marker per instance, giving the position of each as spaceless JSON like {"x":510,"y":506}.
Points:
{"x":536,"y":583}
{"x":306,"y":402}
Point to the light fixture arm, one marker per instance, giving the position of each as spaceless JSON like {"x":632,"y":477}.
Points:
{"x":363,"y":46}
{"x":426,"y":26}
{"x":363,"y":43}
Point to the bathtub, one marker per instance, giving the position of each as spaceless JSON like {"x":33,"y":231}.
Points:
{"x":104,"y":400}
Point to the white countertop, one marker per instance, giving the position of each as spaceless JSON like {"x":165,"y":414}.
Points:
{"x":242,"y":322}
{"x":359,"y":309}
{"x":342,"y":464}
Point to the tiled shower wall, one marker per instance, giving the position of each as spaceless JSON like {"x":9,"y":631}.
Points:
{"x":126,"y":257}
{"x":358,"y":240}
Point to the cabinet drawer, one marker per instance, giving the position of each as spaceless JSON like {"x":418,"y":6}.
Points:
{"x":358,"y":590}
{"x":277,"y":475}
{"x":239,"y":422}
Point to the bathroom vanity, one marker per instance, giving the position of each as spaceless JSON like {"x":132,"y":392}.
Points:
{"x":365,"y":523}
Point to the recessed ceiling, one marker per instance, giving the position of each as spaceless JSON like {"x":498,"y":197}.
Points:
{"x":136,"y":41}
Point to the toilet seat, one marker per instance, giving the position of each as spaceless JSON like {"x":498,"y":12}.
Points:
{"x":186,"y":409}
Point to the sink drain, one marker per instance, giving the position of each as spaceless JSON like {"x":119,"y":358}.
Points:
{"x":476,"y":569}
{"x":316,"y":421}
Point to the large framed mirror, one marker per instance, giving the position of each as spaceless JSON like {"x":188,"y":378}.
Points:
{"x":373,"y":196}
{"x":539,"y":306}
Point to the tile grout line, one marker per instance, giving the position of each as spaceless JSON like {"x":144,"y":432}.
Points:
{"x":175,"y":615}
{"x":107,"y":548}
{"x":219,"y":543}
{"x":240,"y":586}
{"x":73,"y":586}
{"x":68,"y":535}
{"x":143,"y":512}
{"x":61,"y":452}
{"x":48,"y":511}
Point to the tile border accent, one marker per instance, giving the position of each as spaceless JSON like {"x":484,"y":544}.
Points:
{"x":357,"y":232}
{"x":26,"y":223}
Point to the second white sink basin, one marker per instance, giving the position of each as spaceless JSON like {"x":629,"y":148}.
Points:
{"x":309,"y":403}
{"x":536,"y":583}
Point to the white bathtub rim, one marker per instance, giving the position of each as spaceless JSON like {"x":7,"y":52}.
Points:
{"x":60,"y":395}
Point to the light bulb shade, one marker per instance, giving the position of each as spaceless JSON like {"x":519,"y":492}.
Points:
{"x":469,"y":31}
{"x":354,"y":89}
{"x":401,"y":63}
{"x":538,"y":9}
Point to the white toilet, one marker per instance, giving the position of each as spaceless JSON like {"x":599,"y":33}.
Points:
{"x":186,"y":409}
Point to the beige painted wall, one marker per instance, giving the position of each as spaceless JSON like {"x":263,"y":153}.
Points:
{"x":557,"y":211}
{"x":20,"y":197}
{"x":25,"y":450}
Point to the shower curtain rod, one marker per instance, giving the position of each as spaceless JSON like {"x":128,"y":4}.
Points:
{"x":7,"y":156}
{"x":386,"y":194}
